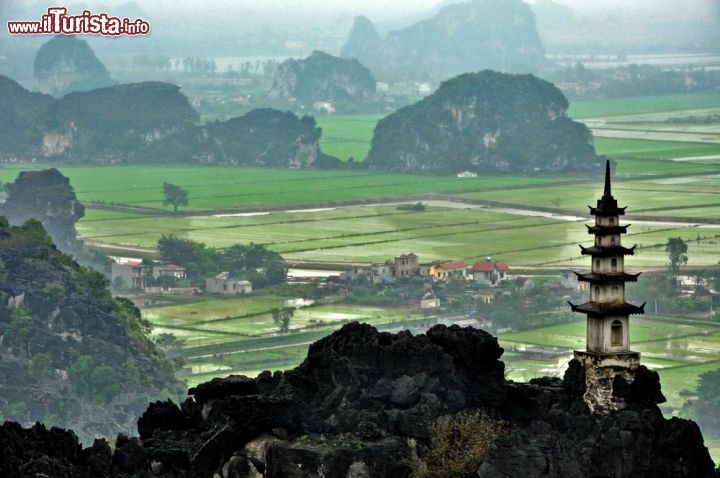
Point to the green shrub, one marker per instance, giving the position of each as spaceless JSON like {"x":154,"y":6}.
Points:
{"x":459,"y":444}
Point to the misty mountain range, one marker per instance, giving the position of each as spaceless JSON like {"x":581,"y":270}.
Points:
{"x":264,"y":29}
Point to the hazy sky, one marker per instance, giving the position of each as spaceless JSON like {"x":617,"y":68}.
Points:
{"x":375,"y":9}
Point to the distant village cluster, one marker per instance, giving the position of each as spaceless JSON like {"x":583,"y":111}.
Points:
{"x":139,"y":275}
{"x":136,"y":274}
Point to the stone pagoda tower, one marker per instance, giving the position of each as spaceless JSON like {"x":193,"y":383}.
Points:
{"x":607,"y":351}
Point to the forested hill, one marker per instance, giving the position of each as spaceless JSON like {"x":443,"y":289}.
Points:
{"x":65,"y":64}
{"x":323,"y":77}
{"x":485,"y":122}
{"x":149,"y":122}
{"x":461,"y":37}
{"x":70,"y":354}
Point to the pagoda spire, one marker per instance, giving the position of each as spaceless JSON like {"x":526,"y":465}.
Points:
{"x":608,"y":191}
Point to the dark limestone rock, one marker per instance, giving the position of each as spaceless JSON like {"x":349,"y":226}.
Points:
{"x":223,"y":387}
{"x":129,"y":455}
{"x":361,"y":405}
{"x":645,"y":388}
{"x":345,"y":459}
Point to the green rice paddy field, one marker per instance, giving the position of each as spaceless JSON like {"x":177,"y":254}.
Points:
{"x":670,"y":179}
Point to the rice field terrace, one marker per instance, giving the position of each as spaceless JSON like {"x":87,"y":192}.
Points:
{"x":238,"y":335}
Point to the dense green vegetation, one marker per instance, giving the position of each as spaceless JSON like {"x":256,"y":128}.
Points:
{"x":485,"y":122}
{"x":323,"y":77}
{"x":252,"y":262}
{"x":70,"y":350}
{"x":151,"y":123}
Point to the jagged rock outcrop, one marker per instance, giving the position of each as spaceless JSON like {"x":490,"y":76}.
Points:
{"x":47,"y":196}
{"x":70,"y":354}
{"x":149,"y":122}
{"x":461,"y":37}
{"x":122,"y":123}
{"x":485,"y":122}
{"x":323,"y":78}
{"x":66,"y":64}
{"x":362,"y":404}
{"x":363,"y":42}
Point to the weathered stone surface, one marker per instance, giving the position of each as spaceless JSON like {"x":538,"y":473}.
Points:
{"x":361,"y":406}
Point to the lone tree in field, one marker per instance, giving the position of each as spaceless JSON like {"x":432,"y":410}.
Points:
{"x":175,"y":196}
{"x":677,"y":253}
{"x":282,"y":316}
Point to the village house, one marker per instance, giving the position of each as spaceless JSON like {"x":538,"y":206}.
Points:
{"x":445,"y":271}
{"x":406,"y":265}
{"x":523,"y":283}
{"x":569,"y":280}
{"x":169,"y":270}
{"x":132,"y":274}
{"x":223,"y":284}
{"x":403,"y":266}
{"x":382,"y":273}
{"x":490,"y":272}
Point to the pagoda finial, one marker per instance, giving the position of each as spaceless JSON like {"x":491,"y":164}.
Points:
{"x":608,"y":193}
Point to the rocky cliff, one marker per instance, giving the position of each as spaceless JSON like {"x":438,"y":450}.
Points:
{"x":368,"y":404}
{"x":70,"y":354}
{"x":149,"y":122}
{"x":323,"y":78}
{"x":48,"y":197}
{"x":66,"y":64}
{"x":461,"y":37}
{"x":486,"y":122}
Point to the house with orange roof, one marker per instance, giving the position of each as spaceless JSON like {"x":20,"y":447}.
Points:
{"x":490,"y":272}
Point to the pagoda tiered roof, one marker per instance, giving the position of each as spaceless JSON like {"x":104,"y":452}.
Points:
{"x":607,"y":309}
{"x":607,"y":251}
{"x":607,"y":230}
{"x":609,"y":278}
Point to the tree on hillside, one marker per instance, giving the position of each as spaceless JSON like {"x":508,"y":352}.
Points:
{"x":677,"y":253}
{"x":175,"y":196}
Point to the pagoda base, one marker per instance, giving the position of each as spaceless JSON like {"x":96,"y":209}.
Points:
{"x":627,"y":359}
{"x":602,"y":371}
